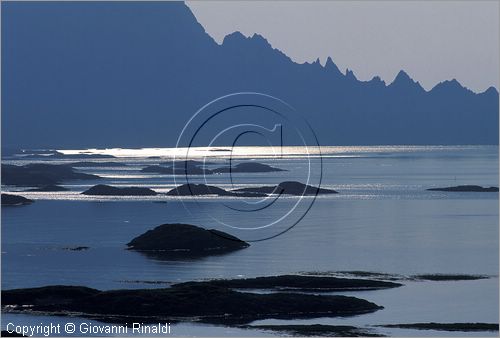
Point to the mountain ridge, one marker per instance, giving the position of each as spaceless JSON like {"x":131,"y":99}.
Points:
{"x":132,"y":74}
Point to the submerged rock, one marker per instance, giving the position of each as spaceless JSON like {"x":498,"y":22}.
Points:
{"x":181,"y":302}
{"x":106,"y":190}
{"x":288,"y":188}
{"x":186,"y":240}
{"x":466,"y":188}
{"x":15,"y":200}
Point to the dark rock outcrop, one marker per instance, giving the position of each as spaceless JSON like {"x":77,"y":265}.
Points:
{"x":37,"y":174}
{"x":288,"y":188}
{"x":191,"y":189}
{"x":181,"y":302}
{"x":464,"y":327}
{"x":448,"y":277}
{"x":15,"y":200}
{"x":466,"y":188}
{"x":106,"y":190}
{"x":185,"y":240}
{"x":301,"y":283}
{"x":318,"y":330}
{"x":247,"y":167}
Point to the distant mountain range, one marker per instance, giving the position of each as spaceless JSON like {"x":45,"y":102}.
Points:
{"x":130,"y":74}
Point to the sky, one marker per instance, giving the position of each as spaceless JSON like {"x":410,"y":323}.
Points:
{"x":432,"y":41}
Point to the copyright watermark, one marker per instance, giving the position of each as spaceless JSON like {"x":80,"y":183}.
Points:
{"x":88,"y":328}
{"x":230,"y":127}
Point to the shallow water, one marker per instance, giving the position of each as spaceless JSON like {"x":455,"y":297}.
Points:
{"x":382,"y":220}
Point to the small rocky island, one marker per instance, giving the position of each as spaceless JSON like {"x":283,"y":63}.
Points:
{"x":288,"y":188}
{"x":185,"y":240}
{"x":247,"y":167}
{"x":12,"y":200}
{"x":192,"y":167}
{"x":107,"y":190}
{"x":466,"y":188}
{"x":191,"y":189}
{"x":37,"y":174}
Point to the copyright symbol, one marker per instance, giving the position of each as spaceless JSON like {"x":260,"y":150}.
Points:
{"x":69,"y":328}
{"x":260,"y":119}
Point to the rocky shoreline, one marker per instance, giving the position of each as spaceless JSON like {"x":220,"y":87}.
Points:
{"x":181,"y":302}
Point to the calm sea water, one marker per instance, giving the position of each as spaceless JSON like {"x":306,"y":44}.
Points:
{"x":382,"y":220}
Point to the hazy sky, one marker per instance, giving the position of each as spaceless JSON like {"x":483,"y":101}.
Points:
{"x":432,"y":41}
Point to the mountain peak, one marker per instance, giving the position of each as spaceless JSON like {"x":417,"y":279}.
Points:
{"x":234,"y":36}
{"x":377,"y":80}
{"x":490,"y":91}
{"x":260,"y":38}
{"x":403,"y":80}
{"x":349,"y":74}
{"x":237,"y":36}
{"x":452,"y":85}
{"x":402,"y":77}
{"x":331,"y":66}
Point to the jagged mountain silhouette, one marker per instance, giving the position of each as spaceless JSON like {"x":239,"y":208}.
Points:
{"x":94,"y":74}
